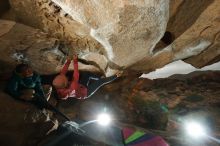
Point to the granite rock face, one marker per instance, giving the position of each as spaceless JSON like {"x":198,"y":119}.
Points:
{"x":134,"y":36}
{"x":21,"y":43}
{"x":120,"y":33}
{"x":140,"y":36}
{"x":192,"y":35}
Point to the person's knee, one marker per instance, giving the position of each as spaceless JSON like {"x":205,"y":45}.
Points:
{"x":27,"y":94}
{"x":28,"y":91}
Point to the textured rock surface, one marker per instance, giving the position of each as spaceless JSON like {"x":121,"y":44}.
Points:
{"x":114,"y":29}
{"x":203,"y":33}
{"x":23,"y":43}
{"x":196,"y":35}
{"x":110,"y":31}
{"x":111,"y":35}
{"x":123,"y":34}
{"x":20,"y":41}
{"x":22,"y":124}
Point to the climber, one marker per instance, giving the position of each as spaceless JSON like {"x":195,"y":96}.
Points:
{"x":24,"y":84}
{"x":79,"y":88}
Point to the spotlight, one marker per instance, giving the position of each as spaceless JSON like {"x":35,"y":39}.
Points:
{"x":195,"y":130}
{"x":104,"y":119}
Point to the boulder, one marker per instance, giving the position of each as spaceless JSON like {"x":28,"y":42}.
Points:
{"x":100,"y":27}
{"x":21,"y":43}
{"x":22,"y":124}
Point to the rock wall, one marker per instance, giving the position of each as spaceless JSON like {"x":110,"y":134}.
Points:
{"x":22,"y":124}
{"x":21,"y":43}
{"x":123,"y":31}
{"x":124,"y":34}
{"x":196,"y":40}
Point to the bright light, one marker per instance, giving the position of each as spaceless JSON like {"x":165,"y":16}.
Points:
{"x":195,"y":130}
{"x":104,"y":119}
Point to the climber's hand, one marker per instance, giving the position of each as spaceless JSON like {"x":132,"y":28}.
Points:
{"x":119,"y":73}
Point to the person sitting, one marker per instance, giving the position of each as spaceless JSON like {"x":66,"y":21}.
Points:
{"x":80,"y":89}
{"x":25,"y":84}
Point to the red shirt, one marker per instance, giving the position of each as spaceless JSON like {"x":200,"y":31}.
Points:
{"x":74,"y":89}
